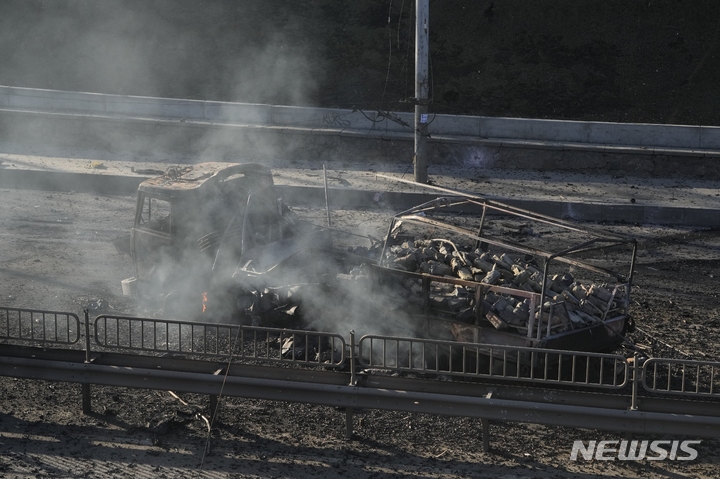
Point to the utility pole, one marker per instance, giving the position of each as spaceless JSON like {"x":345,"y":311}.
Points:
{"x":422,"y":50}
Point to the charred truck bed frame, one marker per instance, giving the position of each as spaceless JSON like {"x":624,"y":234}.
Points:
{"x":488,"y":289}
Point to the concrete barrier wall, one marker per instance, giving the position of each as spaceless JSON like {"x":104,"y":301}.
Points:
{"x":709,"y":138}
{"x":193,"y":141}
{"x":519,"y":129}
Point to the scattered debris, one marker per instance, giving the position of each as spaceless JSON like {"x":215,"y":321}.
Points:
{"x":98,"y":305}
{"x":146,"y":171}
{"x":96,"y":165}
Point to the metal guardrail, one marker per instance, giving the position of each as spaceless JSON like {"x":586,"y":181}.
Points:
{"x":152,"y":338}
{"x":474,"y":360}
{"x":682,"y":377}
{"x":402,"y":355}
{"x":39,"y":326}
{"x":210,"y":339}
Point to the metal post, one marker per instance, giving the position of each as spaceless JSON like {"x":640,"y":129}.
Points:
{"x":422,"y":50}
{"x":531,"y":320}
{"x":213,"y":407}
{"x":479,"y":241}
{"x":353,"y":380}
{"x":214,"y":399}
{"x":485,"y":423}
{"x":486,"y":434}
{"x":87,"y":335}
{"x":635,"y":384}
{"x":327,"y":199}
{"x":348,"y":423}
{"x":86,"y":402}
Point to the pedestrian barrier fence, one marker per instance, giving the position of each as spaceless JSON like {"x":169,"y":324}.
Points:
{"x":43,"y":327}
{"x":149,"y":336}
{"x":164,"y":336}
{"x":684,"y":377}
{"x":515,"y":363}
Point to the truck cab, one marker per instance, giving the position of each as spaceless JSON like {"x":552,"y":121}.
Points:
{"x":181,"y":219}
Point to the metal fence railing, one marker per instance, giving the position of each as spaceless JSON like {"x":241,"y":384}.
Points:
{"x":492,"y":361}
{"x":150,"y":338}
{"x":683,"y":377}
{"x":40,"y":327}
{"x":209,"y":339}
{"x":402,"y":355}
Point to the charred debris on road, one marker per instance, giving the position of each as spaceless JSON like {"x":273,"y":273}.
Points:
{"x":215,"y":242}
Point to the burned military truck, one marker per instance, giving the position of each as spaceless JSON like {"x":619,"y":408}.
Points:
{"x":194,"y":224}
{"x":216,"y":241}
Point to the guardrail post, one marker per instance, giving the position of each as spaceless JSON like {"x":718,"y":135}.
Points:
{"x":353,"y":380}
{"x":86,"y":403}
{"x":635,"y":384}
{"x":485,"y":434}
{"x":349,"y":423}
{"x":485,"y":424}
{"x":214,"y":399}
{"x":213,"y":405}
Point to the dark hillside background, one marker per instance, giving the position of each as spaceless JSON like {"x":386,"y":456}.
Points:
{"x":654,"y":61}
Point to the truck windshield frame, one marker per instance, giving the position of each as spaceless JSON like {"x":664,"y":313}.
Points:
{"x":155,"y":214}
